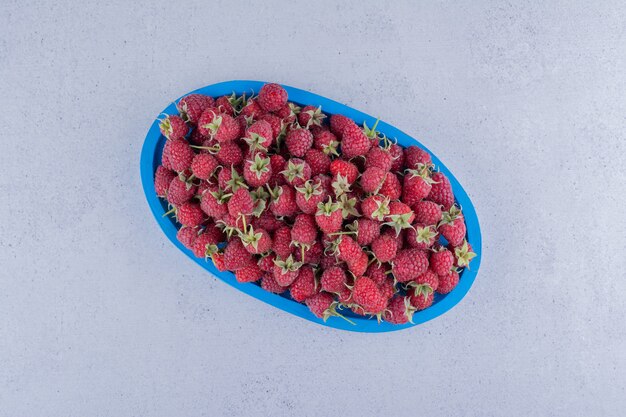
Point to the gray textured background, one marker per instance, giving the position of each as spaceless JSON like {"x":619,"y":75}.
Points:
{"x":101,"y":316}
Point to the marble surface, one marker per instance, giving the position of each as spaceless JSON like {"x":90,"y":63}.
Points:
{"x":101,"y":316}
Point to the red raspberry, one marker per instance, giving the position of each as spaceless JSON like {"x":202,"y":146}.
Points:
{"x":240,"y":203}
{"x":191,"y":107}
{"x":318,"y":161}
{"x":272,"y":97}
{"x":427,"y":212}
{"x":266,"y":263}
{"x":259,"y":136}
{"x":354,"y":142}
{"x":288,"y":113}
{"x":375,"y":207}
{"x":372,"y":179}
{"x":219,"y":126}
{"x":452,"y":227}
{"x":333,"y":279}
{"x":409,"y":264}
{"x":384,"y":248}
{"x":281,"y":244}
{"x":441,"y":191}
{"x":165,"y":155}
{"x":274,"y":121}
{"x":304,"y":286}
{"x":309,"y":196}
{"x":229,"y":154}
{"x":268,"y":222}
{"x":367,"y":294}
{"x":338,"y":122}
{"x":463,"y":254}
{"x":213,"y":203}
{"x":311,"y":116}
{"x":225,"y":104}
{"x":278,"y":166}
{"x":397,"y":312}
{"x":377,"y":273}
{"x":322,"y":305}
{"x":304,"y":230}
{"x":204,"y":165}
{"x":414,"y":156}
{"x":429,"y":278}
{"x":252,"y":110}
{"x":180,"y":155}
{"x":187,"y":236}
{"x":421,"y":236}
{"x":268,"y":283}
{"x":190,"y":214}
{"x":205,"y":245}
{"x":397,"y":152}
{"x":366,"y":230}
{"x":173,"y":127}
{"x":417,"y":185}
{"x":162,"y":179}
{"x":441,"y":261}
{"x":391,"y":188}
{"x":347,"y":169}
{"x":326,"y":142}
{"x":448,"y":282}
{"x":379,"y":158}
{"x":358,"y":266}
{"x":348,"y":249}
{"x":250,"y":273}
{"x":286,"y":271}
{"x":298,"y":141}
{"x":257,"y":171}
{"x":297,"y":172}
{"x":284,"y":201}
{"x":236,"y":256}
{"x":180,"y":191}
{"x":419,"y":299}
{"x":256,"y":241}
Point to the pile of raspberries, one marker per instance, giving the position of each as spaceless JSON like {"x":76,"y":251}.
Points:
{"x":334,"y":215}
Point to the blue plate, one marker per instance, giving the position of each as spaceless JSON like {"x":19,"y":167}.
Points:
{"x":151,"y":159}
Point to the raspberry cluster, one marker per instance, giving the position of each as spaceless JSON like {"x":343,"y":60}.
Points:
{"x":294,"y":200}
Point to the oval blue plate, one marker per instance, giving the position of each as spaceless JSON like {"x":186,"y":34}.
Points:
{"x":151,"y":159}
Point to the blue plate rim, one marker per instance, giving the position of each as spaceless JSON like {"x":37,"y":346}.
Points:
{"x":150,"y":159}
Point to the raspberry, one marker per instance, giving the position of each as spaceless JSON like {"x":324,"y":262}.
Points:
{"x":190,"y":214}
{"x":162,"y":179}
{"x":384,"y":248}
{"x":372,"y":179}
{"x":409,"y":264}
{"x":367,"y":294}
{"x":248,"y":273}
{"x":448,"y":282}
{"x":204,"y":165}
{"x":180,"y":155}
{"x":173,"y":127}
{"x":427,"y":212}
{"x":354,"y":142}
{"x":304,"y":286}
{"x":333,"y":279}
{"x":441,"y":261}
{"x":298,"y":141}
{"x":272,"y":97}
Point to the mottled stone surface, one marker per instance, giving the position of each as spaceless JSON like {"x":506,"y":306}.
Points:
{"x":101,"y":316}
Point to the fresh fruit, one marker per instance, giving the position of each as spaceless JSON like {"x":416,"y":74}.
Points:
{"x":288,"y":198}
{"x":367,"y":294}
{"x":173,"y":127}
{"x":354,"y":142}
{"x":409,"y":264}
{"x":272,"y":97}
{"x":441,"y":261}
